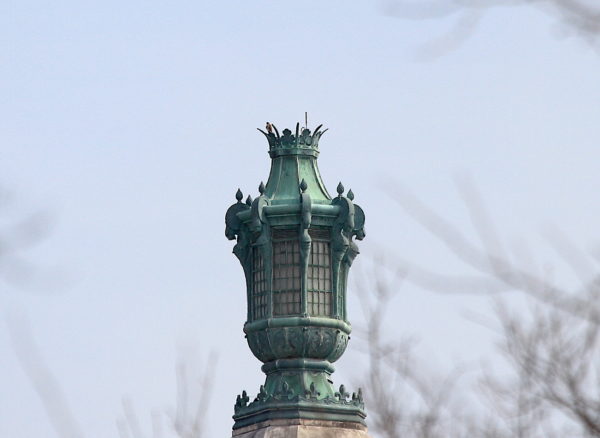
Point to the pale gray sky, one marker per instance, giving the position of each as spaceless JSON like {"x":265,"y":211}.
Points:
{"x":131,"y":125}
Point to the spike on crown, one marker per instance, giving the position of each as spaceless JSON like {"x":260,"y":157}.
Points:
{"x":302,"y":140}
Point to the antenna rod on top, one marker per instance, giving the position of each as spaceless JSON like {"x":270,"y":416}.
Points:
{"x":305,"y":120}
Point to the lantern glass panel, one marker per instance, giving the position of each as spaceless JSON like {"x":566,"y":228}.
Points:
{"x":259,"y":285}
{"x":286,"y":274}
{"x":318,"y":288}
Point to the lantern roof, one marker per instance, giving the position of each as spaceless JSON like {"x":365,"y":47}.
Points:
{"x":294,"y":167}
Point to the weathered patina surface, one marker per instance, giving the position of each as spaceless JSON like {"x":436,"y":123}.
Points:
{"x":296,"y":244}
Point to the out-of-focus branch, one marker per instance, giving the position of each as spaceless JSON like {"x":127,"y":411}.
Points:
{"x":551,"y":351}
{"x":190,"y":423}
{"x":408,"y":401}
{"x":554,"y":361}
{"x":191,"y":409}
{"x":580,"y":17}
{"x":16,"y":236}
{"x":494,"y":270}
{"x":42,"y":379}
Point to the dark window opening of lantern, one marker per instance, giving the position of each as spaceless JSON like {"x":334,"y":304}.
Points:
{"x":259,"y":285}
{"x":318,"y":288}
{"x":286,"y":273}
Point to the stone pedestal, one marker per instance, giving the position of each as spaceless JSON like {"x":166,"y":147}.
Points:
{"x":300,"y":428}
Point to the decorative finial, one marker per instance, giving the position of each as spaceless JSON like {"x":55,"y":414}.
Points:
{"x":242,"y":400}
{"x":303,"y":185}
{"x":249,"y":200}
{"x":302,"y":138}
{"x":340,"y":188}
{"x":262,"y":394}
{"x":239,"y":195}
{"x":261,"y":188}
{"x":342,"y":394}
{"x":350,"y":195}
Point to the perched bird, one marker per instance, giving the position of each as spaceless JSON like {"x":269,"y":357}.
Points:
{"x":269,"y":128}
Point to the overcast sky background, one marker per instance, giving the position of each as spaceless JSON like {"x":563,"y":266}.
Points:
{"x":128,"y":126}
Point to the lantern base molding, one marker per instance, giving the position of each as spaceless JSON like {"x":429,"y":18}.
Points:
{"x":302,"y":428}
{"x":299,"y":389}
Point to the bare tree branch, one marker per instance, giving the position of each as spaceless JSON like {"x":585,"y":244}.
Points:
{"x":408,"y":400}
{"x":495,"y":270}
{"x":42,"y":379}
{"x":580,"y":17}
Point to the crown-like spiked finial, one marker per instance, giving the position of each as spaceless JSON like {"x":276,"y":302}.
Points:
{"x":300,"y":142}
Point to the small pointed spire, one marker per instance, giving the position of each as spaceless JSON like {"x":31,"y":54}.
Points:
{"x":239,"y":195}
{"x":261,"y":188}
{"x":350,"y":195}
{"x":340,"y":188}
{"x":303,"y":185}
{"x":249,"y":200}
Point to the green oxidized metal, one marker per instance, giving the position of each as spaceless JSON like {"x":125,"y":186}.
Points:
{"x":296,"y":246}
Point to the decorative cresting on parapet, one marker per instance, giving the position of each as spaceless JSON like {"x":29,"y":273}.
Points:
{"x":296,"y":245}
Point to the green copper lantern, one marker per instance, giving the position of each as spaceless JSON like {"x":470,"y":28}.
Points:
{"x":295,"y":244}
